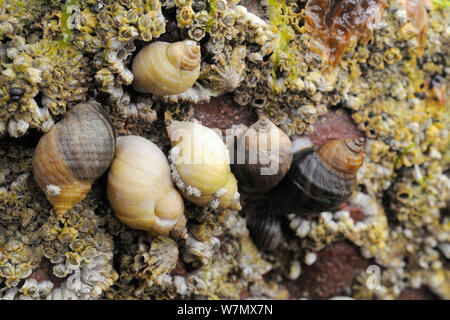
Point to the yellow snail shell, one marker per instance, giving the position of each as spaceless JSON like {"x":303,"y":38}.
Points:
{"x":73,"y":154}
{"x":201,"y":167}
{"x":141,"y":191}
{"x":164,"y":68}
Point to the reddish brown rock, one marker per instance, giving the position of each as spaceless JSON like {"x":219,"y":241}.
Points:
{"x":254,"y":7}
{"x":355,"y":213}
{"x":179,"y":269}
{"x":416,"y":294}
{"x":222,"y":112}
{"x":334,"y":125}
{"x":44,"y":271}
{"x":336,"y":268}
{"x":244,"y":294}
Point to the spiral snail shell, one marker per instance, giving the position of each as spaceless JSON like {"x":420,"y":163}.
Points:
{"x":320,"y":178}
{"x":163,"y":68}
{"x":267,"y":153}
{"x":73,"y":154}
{"x":201,"y":167}
{"x":140,"y":189}
{"x":265,"y":229}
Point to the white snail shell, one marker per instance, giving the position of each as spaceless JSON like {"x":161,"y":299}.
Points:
{"x":201,"y":167}
{"x":141,"y":191}
{"x":164,"y":68}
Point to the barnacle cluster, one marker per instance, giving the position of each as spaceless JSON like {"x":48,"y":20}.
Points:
{"x":370,"y":233}
{"x":423,"y":230}
{"x":218,"y":250}
{"x":41,"y":256}
{"x":29,"y":69}
{"x":74,"y":43}
{"x":385,"y":62}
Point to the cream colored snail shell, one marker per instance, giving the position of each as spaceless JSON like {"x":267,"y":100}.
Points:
{"x":201,"y":167}
{"x":73,"y":154}
{"x":163,"y":68}
{"x":262,"y":157}
{"x":140,"y":189}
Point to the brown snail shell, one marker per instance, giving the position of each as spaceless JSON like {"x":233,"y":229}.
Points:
{"x":262,"y":157}
{"x":73,"y":154}
{"x":164,"y":68}
{"x":265,"y":229}
{"x":320,"y":178}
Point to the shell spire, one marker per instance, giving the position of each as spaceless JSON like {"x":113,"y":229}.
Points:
{"x":262,"y":157}
{"x":179,"y":230}
{"x":344,"y":156}
{"x":185,"y":54}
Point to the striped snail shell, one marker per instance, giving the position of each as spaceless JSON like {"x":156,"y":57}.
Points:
{"x":265,"y":229}
{"x":140,"y":189}
{"x":201,"y":167}
{"x":163,"y":68}
{"x":320,"y":178}
{"x":73,"y":154}
{"x":262,"y":157}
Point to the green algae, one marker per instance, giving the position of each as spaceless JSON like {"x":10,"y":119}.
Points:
{"x":65,"y":22}
{"x":279,"y":20}
{"x":212,"y":10}
{"x":442,"y":3}
{"x":400,"y":157}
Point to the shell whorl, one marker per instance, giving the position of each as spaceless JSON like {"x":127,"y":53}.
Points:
{"x":86,"y":139}
{"x":265,"y":229}
{"x":184,"y":55}
{"x":200,"y":166}
{"x":163,"y":68}
{"x":320,"y":178}
{"x":74,"y":153}
{"x":179,"y":230}
{"x":344,"y":156}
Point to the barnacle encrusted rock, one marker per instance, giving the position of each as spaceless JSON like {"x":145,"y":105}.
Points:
{"x":392,"y":89}
{"x":78,"y":249}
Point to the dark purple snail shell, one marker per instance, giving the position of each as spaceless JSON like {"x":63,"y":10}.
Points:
{"x":320,"y":179}
{"x":269,"y":146}
{"x":265,"y":229}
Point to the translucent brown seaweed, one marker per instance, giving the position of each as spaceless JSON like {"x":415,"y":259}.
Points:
{"x":334,"y":24}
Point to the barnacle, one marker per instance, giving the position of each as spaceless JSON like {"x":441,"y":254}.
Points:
{"x":227,"y":73}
